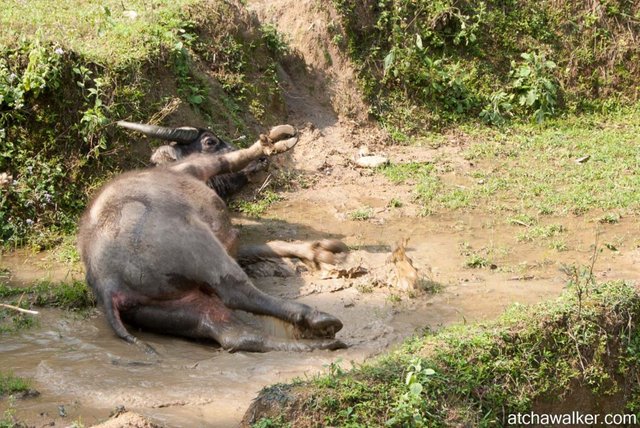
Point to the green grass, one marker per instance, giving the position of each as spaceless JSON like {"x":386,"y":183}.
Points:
{"x":111,"y":31}
{"x":531,"y":170}
{"x":361,"y":214}
{"x":535,"y":167}
{"x":10,"y":384}
{"x":72,"y":296}
{"x":258,"y":206}
{"x":65,"y":295}
{"x":476,"y":375}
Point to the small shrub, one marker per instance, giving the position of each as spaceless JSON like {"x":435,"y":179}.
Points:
{"x":499,"y":109}
{"x":535,"y":85}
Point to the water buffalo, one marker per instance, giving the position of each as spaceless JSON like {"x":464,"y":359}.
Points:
{"x":158,"y":248}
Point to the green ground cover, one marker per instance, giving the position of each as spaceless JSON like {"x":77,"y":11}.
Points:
{"x":477,"y":375}
{"x":564,"y":166}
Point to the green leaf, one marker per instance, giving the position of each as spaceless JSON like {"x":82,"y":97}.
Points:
{"x":388,"y":60}
{"x":415,"y":389}
{"x":196,"y":99}
{"x":429,"y":372}
{"x":419,"y":41}
{"x":410,"y":378}
{"x":532,"y":97}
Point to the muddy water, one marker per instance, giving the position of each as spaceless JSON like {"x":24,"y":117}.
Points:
{"x":78,"y":363}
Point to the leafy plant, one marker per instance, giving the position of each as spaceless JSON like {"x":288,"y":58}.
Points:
{"x":258,"y":205}
{"x":535,"y":85}
{"x":9,"y":383}
{"x":408,"y":409}
{"x":274,"y":40}
{"x":499,"y":109}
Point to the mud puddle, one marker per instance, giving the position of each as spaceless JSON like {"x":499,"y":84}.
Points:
{"x":83,"y":371}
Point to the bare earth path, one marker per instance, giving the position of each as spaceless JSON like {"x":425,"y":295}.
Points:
{"x":79,"y":364}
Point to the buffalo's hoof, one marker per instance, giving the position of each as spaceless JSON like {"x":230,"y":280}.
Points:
{"x":333,"y":345}
{"x":284,"y":145}
{"x":322,"y":324}
{"x":281,"y":132}
{"x":280,"y":139}
{"x":329,"y":251}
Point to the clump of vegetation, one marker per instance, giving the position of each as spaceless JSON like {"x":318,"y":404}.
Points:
{"x":257,"y":206}
{"x":477,"y":375}
{"x":361,"y":214}
{"x":425,"y":64}
{"x":10,"y":384}
{"x":73,"y":296}
{"x":69,"y":72}
{"x":65,"y":295}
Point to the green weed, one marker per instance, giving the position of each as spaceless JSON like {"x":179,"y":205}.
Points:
{"x":361,"y":214}
{"x":394,"y":203}
{"x":258,"y":206}
{"x":10,"y":384}
{"x":535,"y":232}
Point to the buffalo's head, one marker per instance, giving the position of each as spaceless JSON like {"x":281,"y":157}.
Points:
{"x":183,"y":141}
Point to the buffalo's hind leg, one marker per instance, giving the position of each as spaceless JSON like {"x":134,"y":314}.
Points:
{"x":326,"y":251}
{"x":202,"y":316}
{"x":113,"y":302}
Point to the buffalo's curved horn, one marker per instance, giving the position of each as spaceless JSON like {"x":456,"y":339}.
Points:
{"x":184,"y":135}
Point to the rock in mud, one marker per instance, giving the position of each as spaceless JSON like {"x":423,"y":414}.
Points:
{"x":372,"y":161}
{"x":23,"y":395}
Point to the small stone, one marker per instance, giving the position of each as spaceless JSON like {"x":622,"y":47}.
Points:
{"x":373,"y":161}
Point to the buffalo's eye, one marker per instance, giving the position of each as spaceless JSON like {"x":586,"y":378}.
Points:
{"x":211,"y":144}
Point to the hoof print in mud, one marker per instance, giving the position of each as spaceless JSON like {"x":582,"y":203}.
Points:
{"x":160,"y":251}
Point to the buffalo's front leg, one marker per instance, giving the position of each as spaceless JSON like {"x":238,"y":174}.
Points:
{"x":204,"y":316}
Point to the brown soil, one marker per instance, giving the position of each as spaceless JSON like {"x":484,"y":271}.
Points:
{"x":79,"y":364}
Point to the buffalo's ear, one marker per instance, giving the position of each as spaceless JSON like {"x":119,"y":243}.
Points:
{"x":165,"y":154}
